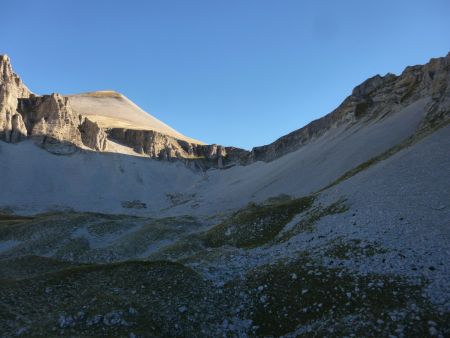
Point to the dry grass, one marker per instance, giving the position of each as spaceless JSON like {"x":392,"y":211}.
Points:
{"x":103,"y":93}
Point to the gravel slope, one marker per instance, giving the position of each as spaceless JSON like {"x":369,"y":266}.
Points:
{"x":34,"y":180}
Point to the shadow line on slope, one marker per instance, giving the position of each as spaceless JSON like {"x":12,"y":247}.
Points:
{"x":411,"y":140}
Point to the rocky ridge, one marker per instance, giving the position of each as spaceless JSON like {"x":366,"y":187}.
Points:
{"x":280,"y":249}
{"x":376,"y":97}
{"x":50,"y":121}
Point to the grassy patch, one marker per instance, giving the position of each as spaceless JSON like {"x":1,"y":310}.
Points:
{"x":149,"y":236}
{"x":180,"y":250}
{"x":312,"y":217}
{"x":158,"y":299}
{"x":13,"y":218}
{"x":29,"y":266}
{"x":354,"y":248}
{"x":257,"y":224}
{"x":103,"y":93}
{"x":108,"y":227}
{"x":296,"y":295}
{"x":7,"y":217}
{"x":93,"y":238}
{"x":72,"y":250}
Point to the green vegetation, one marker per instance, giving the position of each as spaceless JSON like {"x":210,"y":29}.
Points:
{"x":308,"y":221}
{"x":285,"y":297}
{"x":157,"y":299}
{"x":354,"y":248}
{"x":257,"y":224}
{"x":161,"y":299}
{"x":93,"y":238}
{"x":30,"y":266}
{"x":47,"y":297}
{"x":147,"y":237}
{"x":7,"y":217}
{"x":180,"y":250}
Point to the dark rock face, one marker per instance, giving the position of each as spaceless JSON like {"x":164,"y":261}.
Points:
{"x":92,"y":135}
{"x":164,"y":147}
{"x":152,"y":143}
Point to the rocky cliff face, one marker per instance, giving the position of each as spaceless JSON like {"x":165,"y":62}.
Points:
{"x":372,"y":99}
{"x":157,"y":145}
{"x":12,"y":128}
{"x":51,"y":122}
{"x":92,"y":135}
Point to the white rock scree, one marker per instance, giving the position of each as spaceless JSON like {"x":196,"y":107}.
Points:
{"x":109,"y":217}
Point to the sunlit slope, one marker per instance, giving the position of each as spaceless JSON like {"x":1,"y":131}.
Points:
{"x":113,"y":110}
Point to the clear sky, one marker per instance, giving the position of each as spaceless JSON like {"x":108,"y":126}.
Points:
{"x":235,"y":72}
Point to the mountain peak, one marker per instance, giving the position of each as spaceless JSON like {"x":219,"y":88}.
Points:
{"x":112,"y":110}
{"x":107,"y":120}
{"x":104,"y":120}
{"x":5,"y":68}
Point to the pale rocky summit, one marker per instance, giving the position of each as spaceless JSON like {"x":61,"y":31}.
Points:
{"x":103,"y":121}
{"x":110,"y":109}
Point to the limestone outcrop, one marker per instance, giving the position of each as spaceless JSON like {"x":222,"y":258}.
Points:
{"x":157,"y":145}
{"x":92,"y":135}
{"x":52,"y":123}
{"x":12,"y":128}
{"x":374,"y":98}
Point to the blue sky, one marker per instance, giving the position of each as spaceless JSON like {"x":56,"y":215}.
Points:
{"x":235,"y":72}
